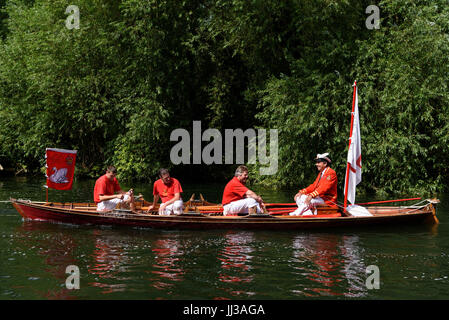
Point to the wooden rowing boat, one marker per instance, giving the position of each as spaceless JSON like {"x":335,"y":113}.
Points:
{"x":200,"y":214}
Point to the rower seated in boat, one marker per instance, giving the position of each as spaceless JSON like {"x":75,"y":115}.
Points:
{"x":237,"y":198}
{"x":322,"y":191}
{"x":169,"y":190}
{"x":108,"y":193}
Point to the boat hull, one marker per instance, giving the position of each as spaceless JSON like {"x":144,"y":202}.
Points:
{"x":383,"y":216}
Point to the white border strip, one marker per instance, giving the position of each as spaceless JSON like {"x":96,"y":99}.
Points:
{"x":61,"y":150}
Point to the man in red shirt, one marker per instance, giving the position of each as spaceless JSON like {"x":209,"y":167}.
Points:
{"x":322,"y":191}
{"x":237,"y":198}
{"x":105,"y":192}
{"x":169,"y":190}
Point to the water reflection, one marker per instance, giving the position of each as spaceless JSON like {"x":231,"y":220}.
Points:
{"x":114,"y":261}
{"x":323,"y":264}
{"x":107,"y":255}
{"x":235,"y":258}
{"x":331,"y":263}
{"x":166,"y":267}
{"x":57,"y":249}
{"x":354,"y":267}
{"x":110,"y":262}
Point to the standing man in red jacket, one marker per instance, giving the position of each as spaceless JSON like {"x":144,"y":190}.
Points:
{"x":322,"y":191}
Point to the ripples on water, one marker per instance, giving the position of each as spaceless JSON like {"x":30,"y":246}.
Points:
{"x":133,"y":263}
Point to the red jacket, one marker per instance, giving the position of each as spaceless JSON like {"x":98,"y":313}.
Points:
{"x":324,"y":187}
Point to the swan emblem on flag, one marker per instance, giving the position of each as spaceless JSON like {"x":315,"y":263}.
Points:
{"x":59,"y":175}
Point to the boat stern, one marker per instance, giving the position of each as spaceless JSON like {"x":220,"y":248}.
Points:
{"x":433,"y":206}
{"x":18,"y":207}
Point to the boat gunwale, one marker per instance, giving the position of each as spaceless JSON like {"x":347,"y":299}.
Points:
{"x":426,"y":210}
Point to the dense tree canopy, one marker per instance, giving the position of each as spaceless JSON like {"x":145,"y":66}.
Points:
{"x":135,"y":70}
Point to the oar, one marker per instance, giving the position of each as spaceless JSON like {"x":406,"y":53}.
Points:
{"x":387,"y":201}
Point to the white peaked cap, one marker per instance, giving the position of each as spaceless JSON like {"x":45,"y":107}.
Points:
{"x":323,"y":156}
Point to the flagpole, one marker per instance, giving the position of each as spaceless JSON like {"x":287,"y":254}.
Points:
{"x":350,"y":139}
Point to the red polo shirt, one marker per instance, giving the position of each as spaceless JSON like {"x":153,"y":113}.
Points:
{"x":234,"y":190}
{"x":167,"y":192}
{"x":105,"y":187}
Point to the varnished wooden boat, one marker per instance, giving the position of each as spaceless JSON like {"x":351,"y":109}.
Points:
{"x":200,"y":214}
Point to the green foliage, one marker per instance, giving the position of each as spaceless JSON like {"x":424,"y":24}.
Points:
{"x":3,"y":19}
{"x":404,"y":67}
{"x":135,"y":70}
{"x":59,"y":85}
{"x":403,"y":99}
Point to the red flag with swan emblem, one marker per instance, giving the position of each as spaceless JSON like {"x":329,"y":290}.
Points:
{"x":60,"y":168}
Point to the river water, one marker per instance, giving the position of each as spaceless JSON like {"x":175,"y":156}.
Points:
{"x":130,"y":263}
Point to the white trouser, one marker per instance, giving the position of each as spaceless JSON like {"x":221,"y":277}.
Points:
{"x":110,"y":204}
{"x":241,"y":206}
{"x":306,"y":210}
{"x":174,"y":208}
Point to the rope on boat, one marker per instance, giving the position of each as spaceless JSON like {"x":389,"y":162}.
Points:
{"x":415,"y":207}
{"x":426,"y":201}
